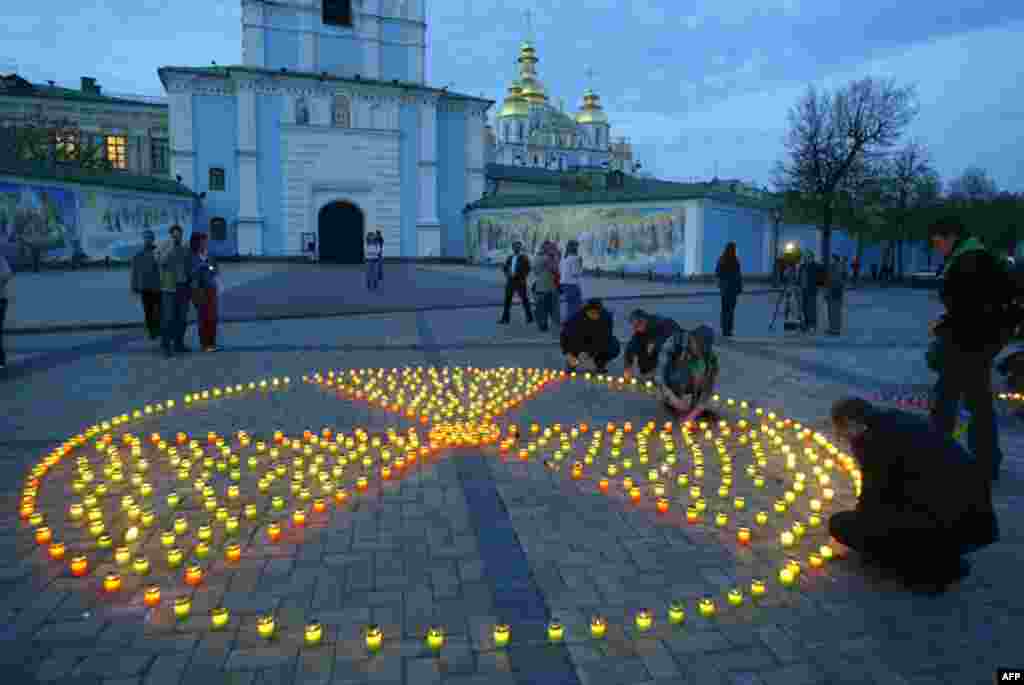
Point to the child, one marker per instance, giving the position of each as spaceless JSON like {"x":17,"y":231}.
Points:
{"x":692,"y":370}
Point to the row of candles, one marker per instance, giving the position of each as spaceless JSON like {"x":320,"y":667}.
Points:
{"x":441,"y":436}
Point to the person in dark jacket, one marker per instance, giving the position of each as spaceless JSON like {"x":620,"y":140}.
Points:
{"x":692,"y":371}
{"x":975,"y":291}
{"x":517,"y":268}
{"x":146,"y":283}
{"x":730,"y":283}
{"x":645,"y":347}
{"x":834,"y":295}
{"x":923,"y":503}
{"x":175,"y":262}
{"x":808,"y":278}
{"x":590,"y":332}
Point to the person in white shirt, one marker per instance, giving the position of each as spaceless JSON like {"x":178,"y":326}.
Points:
{"x":571,"y":271}
{"x":373,"y":253}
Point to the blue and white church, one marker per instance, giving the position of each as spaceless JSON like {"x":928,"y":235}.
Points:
{"x":326,"y":131}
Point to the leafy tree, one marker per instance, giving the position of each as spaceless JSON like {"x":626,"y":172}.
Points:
{"x":835,"y":136}
{"x":972,"y":185}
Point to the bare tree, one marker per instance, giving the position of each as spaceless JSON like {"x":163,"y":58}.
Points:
{"x":831,"y":133}
{"x":911,"y":183}
{"x":972,"y":185}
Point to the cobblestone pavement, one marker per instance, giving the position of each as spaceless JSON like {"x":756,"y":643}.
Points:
{"x":468,"y":540}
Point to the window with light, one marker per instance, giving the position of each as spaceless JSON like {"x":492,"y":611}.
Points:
{"x":117,"y":151}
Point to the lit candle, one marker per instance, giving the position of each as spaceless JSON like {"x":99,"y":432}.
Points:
{"x":634,"y":495}
{"x":151,"y":598}
{"x":274,"y":532}
{"x":265,"y":626}
{"x":219,"y":618}
{"x":743,"y":535}
{"x":556,"y":631}
{"x":112,"y":582}
{"x":815,"y":560}
{"x":706,"y":607}
{"x":826,"y":552}
{"x":787,"y":577}
{"x":740,"y":504}
{"x":676,"y":613}
{"x":735,"y":597}
{"x":57,"y":551}
{"x":374,"y":638}
{"x":761,"y":518}
{"x":502,"y":633}
{"x":313,"y":633}
{"x":662,"y":505}
{"x":644,"y":620}
{"x":140,"y":565}
{"x":233,"y":552}
{"x":193,"y":575}
{"x":757,"y":588}
{"x":787,"y":538}
{"x":299,"y":517}
{"x":598,"y":627}
{"x":721,"y":519}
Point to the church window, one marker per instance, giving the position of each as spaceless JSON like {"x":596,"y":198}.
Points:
{"x":218,"y":228}
{"x":342,"y":116}
{"x":159,"y":154}
{"x":337,"y":12}
{"x":216,"y":178}
{"x":301,"y":111}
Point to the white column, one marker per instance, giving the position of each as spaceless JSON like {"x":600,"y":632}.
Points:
{"x":428,"y":226}
{"x":475,"y":181}
{"x":182,"y":142}
{"x":250,"y":219}
{"x":694,"y":238}
{"x":252,"y":35}
{"x":368,"y":34}
{"x":307,"y":41}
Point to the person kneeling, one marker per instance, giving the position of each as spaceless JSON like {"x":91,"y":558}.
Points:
{"x":590,"y":332}
{"x":691,"y":370}
{"x":923,"y":502}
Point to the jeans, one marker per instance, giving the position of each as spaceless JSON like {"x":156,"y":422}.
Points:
{"x":516,"y":287}
{"x":835,"y":312}
{"x":372,"y":273}
{"x":810,"y":311}
{"x":547,"y":304}
{"x":968,"y":376}
{"x":728,"y":311}
{"x":573,"y":299}
{"x":3,"y":315}
{"x":174,"y":317}
{"x":151,"y":310}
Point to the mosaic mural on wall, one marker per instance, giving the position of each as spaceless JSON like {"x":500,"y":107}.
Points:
{"x":92,"y":224}
{"x":610,"y":237}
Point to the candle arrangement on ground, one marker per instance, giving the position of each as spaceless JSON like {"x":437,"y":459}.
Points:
{"x":131,"y":511}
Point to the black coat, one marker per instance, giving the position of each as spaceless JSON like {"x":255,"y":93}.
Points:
{"x":659,"y":329}
{"x":517,"y":267}
{"x":915,"y":478}
{"x":730,"y":276}
{"x":975,"y":291}
{"x":580,"y":333}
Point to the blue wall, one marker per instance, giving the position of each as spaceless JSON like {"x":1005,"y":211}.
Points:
{"x":915,"y":256}
{"x":282,"y":49}
{"x":215,"y":132}
{"x":451,"y":180}
{"x":341,"y":54}
{"x":724,"y":224}
{"x":396,"y":62}
{"x":269,"y":112}
{"x":408,"y":156}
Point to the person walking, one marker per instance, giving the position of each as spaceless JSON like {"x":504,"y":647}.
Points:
{"x":373,"y":254}
{"x":874,"y":272}
{"x":856,"y":270}
{"x":146,"y":283}
{"x":571,"y":272}
{"x":976,"y":291}
{"x":922,"y":504}
{"x":517,"y":268}
{"x":730,"y":283}
{"x":175,"y":261}
{"x":546,"y":287}
{"x":6,"y":274}
{"x":380,"y":260}
{"x":205,"y":291}
{"x":834,"y":296}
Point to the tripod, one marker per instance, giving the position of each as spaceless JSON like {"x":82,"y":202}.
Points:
{"x":791,"y":303}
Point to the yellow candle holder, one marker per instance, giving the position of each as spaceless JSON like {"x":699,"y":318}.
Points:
{"x":757,"y":588}
{"x":735,"y":597}
{"x":374,"y":638}
{"x":676,"y":613}
{"x":598,"y":627}
{"x":501,"y":634}
{"x":314,"y":633}
{"x":219,"y":618}
{"x":556,"y":631}
{"x":706,"y":607}
{"x":265,"y":627}
{"x":721,"y":519}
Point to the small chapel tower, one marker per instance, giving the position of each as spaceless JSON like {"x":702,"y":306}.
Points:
{"x":382,"y":40}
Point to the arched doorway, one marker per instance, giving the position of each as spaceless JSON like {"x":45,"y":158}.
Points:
{"x":340,"y":233}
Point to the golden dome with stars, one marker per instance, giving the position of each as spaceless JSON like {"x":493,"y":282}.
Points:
{"x":591,"y":112}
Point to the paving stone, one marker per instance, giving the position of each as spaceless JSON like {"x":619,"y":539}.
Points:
{"x":793,"y":674}
{"x":167,"y":669}
{"x":114,"y":664}
{"x":59,"y":666}
{"x":260,"y":659}
{"x":696,"y":642}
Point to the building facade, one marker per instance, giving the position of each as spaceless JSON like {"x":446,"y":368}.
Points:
{"x":327,"y":131}
{"x":530,"y":131}
{"x":130,"y":132}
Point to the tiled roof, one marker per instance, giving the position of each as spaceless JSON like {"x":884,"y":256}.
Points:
{"x":106,"y":179}
{"x":57,"y":92}
{"x":223,"y":72}
{"x":636,"y":189}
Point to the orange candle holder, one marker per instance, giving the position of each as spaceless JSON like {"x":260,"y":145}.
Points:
{"x":151,"y":598}
{"x":56,"y":551}
{"x":743,"y":535}
{"x":193,"y":576}
{"x":79,"y":566}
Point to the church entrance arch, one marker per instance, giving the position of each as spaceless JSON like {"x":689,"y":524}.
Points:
{"x":340,"y":229}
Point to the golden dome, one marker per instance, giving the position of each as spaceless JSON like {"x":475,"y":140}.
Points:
{"x":533,"y":89}
{"x":515,"y":105}
{"x":591,"y":112}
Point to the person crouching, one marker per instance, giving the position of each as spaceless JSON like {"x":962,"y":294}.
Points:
{"x":590,"y":332}
{"x":691,"y":372}
{"x":923,"y":502}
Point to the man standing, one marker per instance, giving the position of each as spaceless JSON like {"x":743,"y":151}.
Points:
{"x":856,"y":270}
{"x":517,"y":268}
{"x":834,"y":295}
{"x":808,"y":280}
{"x":6,"y":274}
{"x":146,"y":283}
{"x":976,"y":291}
{"x":175,"y":262}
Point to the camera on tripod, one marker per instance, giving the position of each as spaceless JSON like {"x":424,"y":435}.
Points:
{"x":790,"y":302}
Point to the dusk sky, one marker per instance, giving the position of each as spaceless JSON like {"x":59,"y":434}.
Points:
{"x":693,"y":83}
